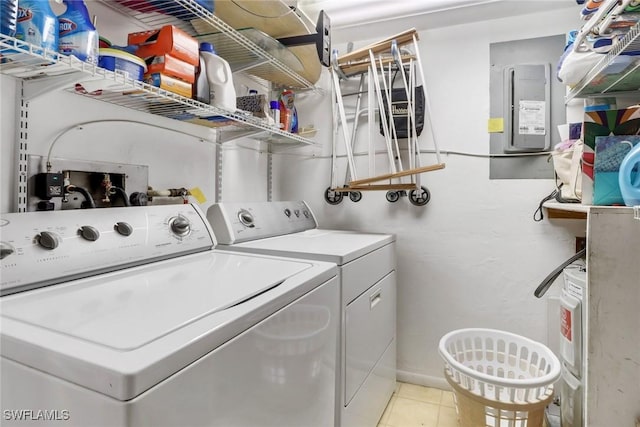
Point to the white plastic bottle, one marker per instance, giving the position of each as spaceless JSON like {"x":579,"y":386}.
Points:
{"x":222,"y":92}
{"x":201,"y":91}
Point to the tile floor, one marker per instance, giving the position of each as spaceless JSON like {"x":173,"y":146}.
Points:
{"x":413,"y":405}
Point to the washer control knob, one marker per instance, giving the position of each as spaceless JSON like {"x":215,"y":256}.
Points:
{"x":305,"y":213}
{"x":123,"y":228}
{"x":287,"y":212}
{"x":180,"y":226}
{"x":89,"y":233}
{"x":246,"y":218}
{"x":297,"y":212}
{"x":6,"y":250}
{"x":49,"y":240}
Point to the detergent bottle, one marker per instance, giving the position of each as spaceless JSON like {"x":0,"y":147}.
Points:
{"x":629,"y":177}
{"x":288,"y":112}
{"x":9,"y":17}
{"x":78,"y":36}
{"x":37,"y":24}
{"x":222,"y":92}
{"x":201,"y":91}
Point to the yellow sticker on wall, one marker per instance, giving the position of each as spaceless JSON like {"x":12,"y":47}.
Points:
{"x":496,"y":125}
{"x":197,"y":194}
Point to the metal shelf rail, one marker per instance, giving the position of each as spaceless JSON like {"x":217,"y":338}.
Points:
{"x":617,"y":71}
{"x":45,"y":71}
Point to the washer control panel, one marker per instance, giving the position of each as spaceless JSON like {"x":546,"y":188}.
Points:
{"x":242,"y":222}
{"x":43,"y":248}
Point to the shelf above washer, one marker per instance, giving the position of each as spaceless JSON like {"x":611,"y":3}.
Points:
{"x":252,"y":56}
{"x":44,"y":71}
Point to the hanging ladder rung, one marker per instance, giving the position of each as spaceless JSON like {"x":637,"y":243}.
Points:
{"x":360,"y":67}
{"x":407,"y":172}
{"x":375,"y":187}
{"x":401,"y":39}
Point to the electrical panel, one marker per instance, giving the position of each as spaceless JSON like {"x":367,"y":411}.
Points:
{"x":527,"y":108}
{"x":78,"y":184}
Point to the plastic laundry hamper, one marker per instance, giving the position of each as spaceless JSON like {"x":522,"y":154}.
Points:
{"x":499,"y":379}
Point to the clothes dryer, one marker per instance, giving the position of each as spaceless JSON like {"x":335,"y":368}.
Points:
{"x":367,"y":265}
{"x":128,"y":317}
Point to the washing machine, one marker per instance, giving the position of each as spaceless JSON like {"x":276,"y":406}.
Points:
{"x":367,"y":273}
{"x":129,"y":317}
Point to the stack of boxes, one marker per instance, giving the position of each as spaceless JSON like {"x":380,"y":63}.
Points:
{"x":171,"y":56}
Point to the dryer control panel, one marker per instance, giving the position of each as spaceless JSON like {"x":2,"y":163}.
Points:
{"x":243,"y":222}
{"x":43,"y":248}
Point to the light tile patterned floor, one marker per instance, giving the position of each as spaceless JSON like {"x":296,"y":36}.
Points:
{"x":413,"y":405}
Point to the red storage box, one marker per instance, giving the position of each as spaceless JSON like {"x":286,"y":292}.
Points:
{"x":168,"y":40}
{"x":169,"y":83}
{"x":170,"y":66}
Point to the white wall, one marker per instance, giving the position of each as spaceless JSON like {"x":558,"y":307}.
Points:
{"x":473,"y":256}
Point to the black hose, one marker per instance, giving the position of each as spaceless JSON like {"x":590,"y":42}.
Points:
{"x":546,"y":283}
{"x":89,"y":203}
{"x":121,"y":193}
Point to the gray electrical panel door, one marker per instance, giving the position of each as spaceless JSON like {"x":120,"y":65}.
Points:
{"x":523,"y":157}
{"x":527,"y":110}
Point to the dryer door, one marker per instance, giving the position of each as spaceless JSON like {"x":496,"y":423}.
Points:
{"x":370,"y":327}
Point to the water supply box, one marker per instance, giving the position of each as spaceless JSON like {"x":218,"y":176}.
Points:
{"x":170,"y":84}
{"x":168,"y":40}
{"x":173,"y":67}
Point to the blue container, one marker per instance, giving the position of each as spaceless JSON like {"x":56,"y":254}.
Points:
{"x":9,"y":17}
{"x":121,"y":61}
{"x":629,"y":177}
{"x":37,"y":25}
{"x":78,"y":36}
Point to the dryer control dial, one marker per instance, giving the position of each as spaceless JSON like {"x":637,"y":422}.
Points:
{"x":123,"y":228}
{"x":246,"y":218}
{"x":49,"y":240}
{"x":89,"y":233}
{"x":180,"y":226}
{"x":6,"y":250}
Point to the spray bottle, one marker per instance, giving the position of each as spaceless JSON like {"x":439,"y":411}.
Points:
{"x":37,"y":24}
{"x":288,"y":113}
{"x":78,"y":36}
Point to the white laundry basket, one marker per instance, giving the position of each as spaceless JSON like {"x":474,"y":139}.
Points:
{"x":499,"y":379}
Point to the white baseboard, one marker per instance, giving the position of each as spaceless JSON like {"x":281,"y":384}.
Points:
{"x":421,"y":379}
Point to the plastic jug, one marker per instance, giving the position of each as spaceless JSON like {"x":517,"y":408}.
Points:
{"x":222,"y":92}
{"x":78,"y":36}
{"x":201,"y":91}
{"x":629,"y":177}
{"x":9,"y":17}
{"x":37,"y":24}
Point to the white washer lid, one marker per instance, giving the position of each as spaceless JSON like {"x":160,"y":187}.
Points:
{"x":337,"y":246}
{"x":129,"y":309}
{"x":135,"y":327}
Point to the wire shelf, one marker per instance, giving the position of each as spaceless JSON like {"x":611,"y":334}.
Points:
{"x":240,"y":51}
{"x":618,"y":71}
{"x":25,"y":61}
